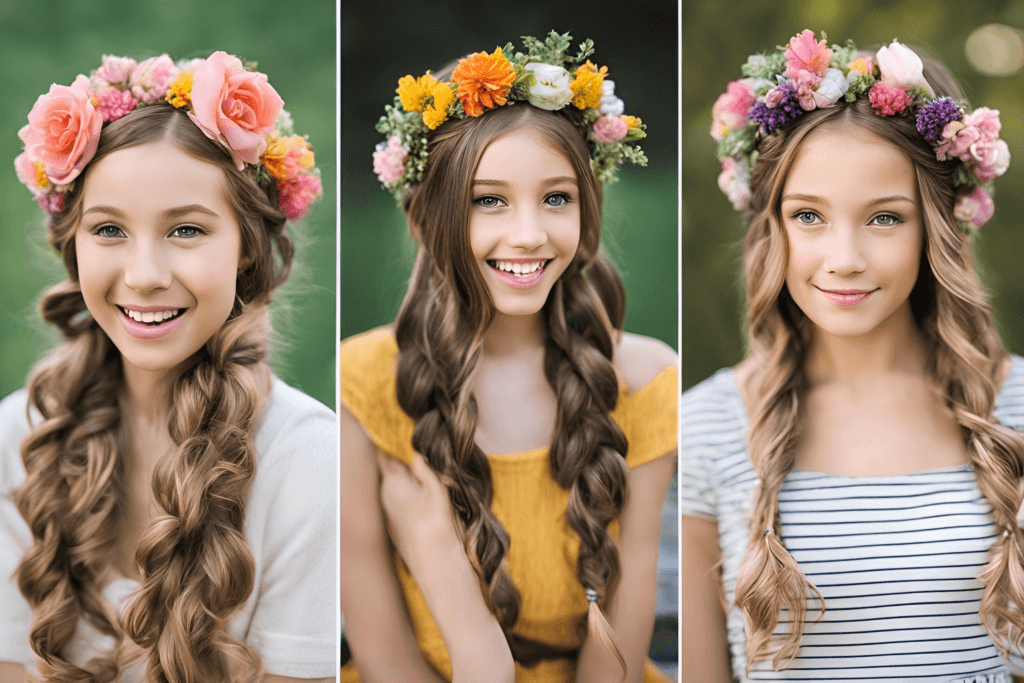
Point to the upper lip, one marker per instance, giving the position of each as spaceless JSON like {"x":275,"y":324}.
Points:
{"x":519,"y":260}
{"x":150,"y":309}
{"x":846,"y":291}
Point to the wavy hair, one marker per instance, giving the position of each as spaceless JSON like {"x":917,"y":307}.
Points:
{"x":195,"y":563}
{"x":440,"y":330}
{"x":966,"y":359}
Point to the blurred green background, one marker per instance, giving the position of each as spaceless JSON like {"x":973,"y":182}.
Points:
{"x":380,"y":43}
{"x":295,"y":47}
{"x":715,"y":46}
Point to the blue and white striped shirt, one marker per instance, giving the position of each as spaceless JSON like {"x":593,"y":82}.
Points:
{"x":895,"y":557}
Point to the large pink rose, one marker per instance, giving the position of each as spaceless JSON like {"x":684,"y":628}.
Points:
{"x":235,"y":107}
{"x":806,"y":54}
{"x":731,"y":107}
{"x":993,"y":157}
{"x":986,"y":121}
{"x":63,"y":130}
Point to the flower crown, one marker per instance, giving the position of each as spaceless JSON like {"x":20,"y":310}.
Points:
{"x":807,"y":75}
{"x":545,"y":76}
{"x":231,"y":103}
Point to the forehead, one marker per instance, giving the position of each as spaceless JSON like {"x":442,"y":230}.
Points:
{"x":153,"y":176}
{"x":523,"y":154}
{"x":850,"y":161}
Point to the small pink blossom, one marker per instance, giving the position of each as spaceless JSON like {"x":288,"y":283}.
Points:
{"x":116,"y":103}
{"x":805,"y":83}
{"x":151,"y":78}
{"x":389,"y":160}
{"x":975,"y":208}
{"x":115,"y":70}
{"x":734,"y":183}
{"x":888,"y":100}
{"x":730,"y":109}
{"x":993,"y":158}
{"x":609,"y":129}
{"x":299,"y":194}
{"x":986,"y":121}
{"x":52,"y":202}
{"x":63,"y":130}
{"x":806,"y":54}
{"x":28,"y":174}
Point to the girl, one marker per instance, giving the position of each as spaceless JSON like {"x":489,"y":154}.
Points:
{"x":852,"y":487}
{"x":164,"y":499}
{"x":509,"y":440}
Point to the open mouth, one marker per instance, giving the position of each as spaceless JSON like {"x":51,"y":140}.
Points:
{"x":520,"y":269}
{"x":152,"y":318}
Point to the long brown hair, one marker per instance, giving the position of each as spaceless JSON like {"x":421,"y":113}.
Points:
{"x":966,"y":359}
{"x":440,"y":330}
{"x":196,"y":565}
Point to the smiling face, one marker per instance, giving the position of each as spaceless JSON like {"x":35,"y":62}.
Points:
{"x":158,"y":249}
{"x":853,"y":218}
{"x":524,"y":225}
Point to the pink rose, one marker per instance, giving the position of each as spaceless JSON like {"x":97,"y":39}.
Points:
{"x":805,"y":84}
{"x":389,"y":160}
{"x":63,"y":130}
{"x":235,"y":107}
{"x":113,"y":71}
{"x":806,"y":54}
{"x":151,"y":78}
{"x":730,"y":109}
{"x":957,"y":140}
{"x":888,"y":100}
{"x":986,"y":121}
{"x":610,"y":129}
{"x":974,"y":208}
{"x":993,"y":157}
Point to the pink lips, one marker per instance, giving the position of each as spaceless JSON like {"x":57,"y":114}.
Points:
{"x":148,"y":330}
{"x":520,"y":281}
{"x":846,"y":297}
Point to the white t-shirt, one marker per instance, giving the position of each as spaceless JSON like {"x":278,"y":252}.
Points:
{"x":290,"y":524}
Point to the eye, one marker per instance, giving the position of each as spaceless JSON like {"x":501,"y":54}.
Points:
{"x":806,"y":217}
{"x":885,"y":220}
{"x":109,"y":231}
{"x":488,"y":202}
{"x":557,"y":199}
{"x":187,"y":231}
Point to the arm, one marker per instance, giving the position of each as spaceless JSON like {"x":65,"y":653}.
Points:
{"x":12,"y":673}
{"x":705,"y":654}
{"x":631,"y":610}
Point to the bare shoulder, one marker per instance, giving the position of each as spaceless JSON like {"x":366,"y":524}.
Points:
{"x":640,"y":359}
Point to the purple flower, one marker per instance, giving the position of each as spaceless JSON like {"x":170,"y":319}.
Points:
{"x":935,"y":115}
{"x":787,"y":109}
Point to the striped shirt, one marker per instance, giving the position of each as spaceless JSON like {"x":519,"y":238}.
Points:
{"x":895,"y":557}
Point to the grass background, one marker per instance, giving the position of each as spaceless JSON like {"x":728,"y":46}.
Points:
{"x":715,"y":46}
{"x":295,"y":47}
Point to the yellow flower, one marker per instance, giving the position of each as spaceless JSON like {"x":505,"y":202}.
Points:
{"x":633,"y":121}
{"x":285,"y":157}
{"x":586,"y":87}
{"x":860,"y":65}
{"x":179,"y":94}
{"x":414,"y":92}
{"x":42,"y":180}
{"x":435,"y":113}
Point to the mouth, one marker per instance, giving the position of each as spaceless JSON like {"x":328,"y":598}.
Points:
{"x":847,"y":297}
{"x":519,"y":273}
{"x":153,"y":317}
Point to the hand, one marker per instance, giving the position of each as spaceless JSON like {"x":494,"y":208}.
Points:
{"x":418,"y":512}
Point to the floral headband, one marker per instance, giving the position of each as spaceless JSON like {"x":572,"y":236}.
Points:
{"x":545,"y":76}
{"x":807,"y":75}
{"x":231,"y":103}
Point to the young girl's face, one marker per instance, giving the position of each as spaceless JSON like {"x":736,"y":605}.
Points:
{"x":524,"y":224}
{"x":158,"y":250}
{"x":853,"y":218}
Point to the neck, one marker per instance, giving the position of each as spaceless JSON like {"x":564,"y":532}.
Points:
{"x":147,"y":394}
{"x":509,"y":335}
{"x":897,"y":345}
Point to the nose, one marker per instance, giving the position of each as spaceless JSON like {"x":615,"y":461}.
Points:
{"x":146,"y":269}
{"x":526,"y":230}
{"x":844,"y":255}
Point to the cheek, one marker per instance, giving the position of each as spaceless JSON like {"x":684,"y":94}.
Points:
{"x":803,"y":260}
{"x":211,"y":277}
{"x":96,"y":271}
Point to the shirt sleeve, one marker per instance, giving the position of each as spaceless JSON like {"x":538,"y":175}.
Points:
{"x":696,"y":490}
{"x":293,"y":626}
{"x":15,"y":537}
{"x":648,"y":418}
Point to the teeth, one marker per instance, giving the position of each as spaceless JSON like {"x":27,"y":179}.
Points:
{"x":151,"y":316}
{"x":519,"y":268}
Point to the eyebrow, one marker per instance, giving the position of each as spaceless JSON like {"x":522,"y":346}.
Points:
{"x":547,"y":181}
{"x":169,"y":214}
{"x":825,"y":202}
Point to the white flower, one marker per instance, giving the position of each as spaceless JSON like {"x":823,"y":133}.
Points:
{"x":901,"y":67}
{"x":610,"y":104}
{"x":833,"y":86}
{"x":551,"y":90}
{"x":284,"y":124}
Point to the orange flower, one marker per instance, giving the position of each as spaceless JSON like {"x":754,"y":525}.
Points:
{"x":586,"y":87}
{"x":484,"y":81}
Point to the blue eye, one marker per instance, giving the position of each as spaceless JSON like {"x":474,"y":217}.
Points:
{"x":108,"y":231}
{"x":488,"y":202}
{"x":557,"y":199}
{"x":188,"y":231}
{"x":885,"y":220}
{"x":806,"y":217}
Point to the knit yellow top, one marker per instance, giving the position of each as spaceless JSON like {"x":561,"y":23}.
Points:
{"x":527,"y":501}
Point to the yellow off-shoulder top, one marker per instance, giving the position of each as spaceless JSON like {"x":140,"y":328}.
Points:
{"x":531,"y":505}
